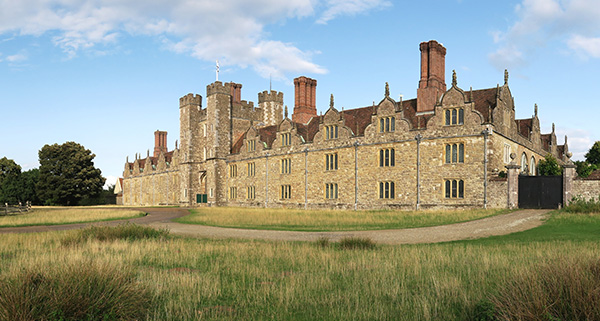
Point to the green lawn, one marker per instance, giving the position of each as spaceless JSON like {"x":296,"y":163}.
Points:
{"x":329,"y":220}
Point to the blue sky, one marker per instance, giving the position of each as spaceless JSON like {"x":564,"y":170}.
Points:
{"x":108,"y":73}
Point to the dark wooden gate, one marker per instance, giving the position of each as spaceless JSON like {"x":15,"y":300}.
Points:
{"x":540,"y":191}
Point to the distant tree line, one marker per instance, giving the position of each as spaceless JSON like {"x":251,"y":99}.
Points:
{"x":66,"y":176}
{"x":549,"y":165}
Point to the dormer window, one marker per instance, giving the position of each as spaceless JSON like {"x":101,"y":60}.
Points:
{"x":286,"y":139}
{"x":251,"y":145}
{"x":387,"y":124}
{"x":331,"y":132}
{"x":455,"y":116}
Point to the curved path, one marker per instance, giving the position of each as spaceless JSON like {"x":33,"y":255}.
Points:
{"x":162,"y":218}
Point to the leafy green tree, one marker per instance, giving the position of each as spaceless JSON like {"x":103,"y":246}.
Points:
{"x":27,"y":186}
{"x":593,"y":155}
{"x":10,"y":173}
{"x":549,"y":166}
{"x":67,"y":174}
{"x":584,"y":169}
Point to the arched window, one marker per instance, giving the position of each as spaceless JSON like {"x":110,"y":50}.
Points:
{"x":532,"y":167}
{"x":524,"y":163}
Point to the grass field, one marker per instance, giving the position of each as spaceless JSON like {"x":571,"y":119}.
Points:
{"x":328,"y":220}
{"x":64,"y":215}
{"x":202,"y":279}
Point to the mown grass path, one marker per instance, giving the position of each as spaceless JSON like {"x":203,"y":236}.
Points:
{"x":161,"y":218}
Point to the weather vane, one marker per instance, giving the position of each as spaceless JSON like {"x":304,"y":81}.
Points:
{"x":217,"y":70}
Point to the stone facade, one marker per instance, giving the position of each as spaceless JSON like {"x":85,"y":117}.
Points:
{"x":443,"y":149}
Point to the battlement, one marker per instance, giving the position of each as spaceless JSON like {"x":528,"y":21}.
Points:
{"x":246,"y":104}
{"x":218,"y":87}
{"x":273,"y":95}
{"x":190,"y":99}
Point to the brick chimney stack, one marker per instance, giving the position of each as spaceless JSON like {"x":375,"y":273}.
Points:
{"x":236,"y":93}
{"x":305,"y":106}
{"x":160,"y":142}
{"x":433,"y":75}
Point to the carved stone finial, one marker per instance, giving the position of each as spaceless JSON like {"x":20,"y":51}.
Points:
{"x":148,"y":154}
{"x":506,"y":76}
{"x":454,"y":78}
{"x":569,"y":154}
{"x":565,"y":140}
{"x":471,"y":94}
{"x":127,"y":159}
{"x":285,"y":113}
{"x":553,"y":127}
{"x":535,"y":109}
{"x":387,"y":89}
{"x":331,"y":101}
{"x":176,"y":144}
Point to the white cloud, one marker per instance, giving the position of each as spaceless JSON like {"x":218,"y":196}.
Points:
{"x":337,"y":8}
{"x":575,"y":24}
{"x":579,"y":141}
{"x":110,"y":180}
{"x":17,"y":58}
{"x":586,"y":46}
{"x":229,"y":30}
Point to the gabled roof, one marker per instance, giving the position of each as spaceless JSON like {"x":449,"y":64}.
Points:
{"x":524,"y":126}
{"x":484,"y":99}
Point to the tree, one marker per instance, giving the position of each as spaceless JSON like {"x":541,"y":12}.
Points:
{"x":10,"y":173}
{"x":27,"y":186}
{"x":593,"y":155}
{"x":67,"y":174}
{"x":549,"y":166}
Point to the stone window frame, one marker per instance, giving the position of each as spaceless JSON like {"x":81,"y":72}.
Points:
{"x":286,"y":166}
{"x":331,"y":132}
{"x":331,"y":162}
{"x":251,"y":192}
{"x":524,"y":164}
{"x":232,"y":170}
{"x":233,"y":192}
{"x":387,"y":190}
{"x":251,"y":169}
{"x":331,"y":191}
{"x":251,"y":143}
{"x":507,"y":151}
{"x":286,"y":191}
{"x":454,"y":116}
{"x":387,"y":157}
{"x":454,"y":153}
{"x":387,"y":124}
{"x":454,"y":188}
{"x":286,"y":139}
{"x":532,"y":167}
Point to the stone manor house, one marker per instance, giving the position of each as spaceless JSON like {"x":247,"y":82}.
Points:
{"x":446,"y":148}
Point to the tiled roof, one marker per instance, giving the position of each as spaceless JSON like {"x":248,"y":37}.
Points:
{"x":358,"y":119}
{"x":484,"y":99}
{"x":546,"y":141}
{"x":524,"y":126}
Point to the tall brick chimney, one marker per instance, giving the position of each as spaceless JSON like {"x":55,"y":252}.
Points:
{"x":236,"y":93}
{"x":433,"y":71}
{"x":160,"y":142}
{"x":305,"y":106}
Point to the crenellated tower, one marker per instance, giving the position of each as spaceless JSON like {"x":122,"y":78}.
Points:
{"x":190,"y":107}
{"x":271,"y":104}
{"x":219,"y":106}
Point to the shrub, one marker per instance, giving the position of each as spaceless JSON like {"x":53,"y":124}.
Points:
{"x":76,"y":291}
{"x":565,"y":289}
{"x":356,"y":243}
{"x":322,"y":242}
{"x":580,"y":205}
{"x":128,"y":232}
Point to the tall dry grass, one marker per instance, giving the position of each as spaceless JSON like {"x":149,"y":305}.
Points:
{"x":329,"y":220}
{"x":62,"y":215}
{"x":194,"y":279}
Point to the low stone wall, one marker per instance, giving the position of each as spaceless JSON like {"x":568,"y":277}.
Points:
{"x":498,"y":193}
{"x":586,"y":188}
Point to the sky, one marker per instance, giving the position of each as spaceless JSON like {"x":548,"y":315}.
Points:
{"x":108,"y":73}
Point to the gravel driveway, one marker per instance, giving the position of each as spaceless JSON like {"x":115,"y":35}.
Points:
{"x":161,"y":218}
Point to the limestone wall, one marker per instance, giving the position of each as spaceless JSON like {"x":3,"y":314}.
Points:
{"x":498,"y":193}
{"x":586,"y":188}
